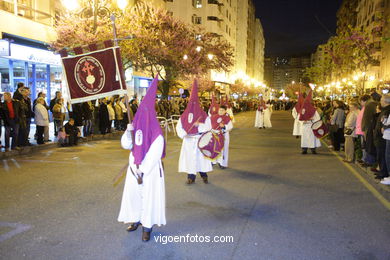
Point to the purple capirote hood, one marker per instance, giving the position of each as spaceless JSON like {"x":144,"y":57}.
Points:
{"x":193,"y":113}
{"x":146,"y":126}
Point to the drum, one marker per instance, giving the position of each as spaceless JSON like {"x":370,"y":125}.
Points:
{"x":211,"y":144}
{"x":319,"y":129}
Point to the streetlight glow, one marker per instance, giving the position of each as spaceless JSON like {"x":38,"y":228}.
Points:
{"x":71,"y":5}
{"x":122,"y":4}
{"x":198,"y":49}
{"x":185,"y":57}
{"x":210,"y":56}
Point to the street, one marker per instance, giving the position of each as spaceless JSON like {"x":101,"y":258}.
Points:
{"x":274,"y":202}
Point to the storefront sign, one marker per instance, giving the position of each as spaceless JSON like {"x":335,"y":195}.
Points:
{"x":4,"y":48}
{"x":25,"y":53}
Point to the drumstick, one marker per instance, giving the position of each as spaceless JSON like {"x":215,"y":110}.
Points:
{"x":197,"y":121}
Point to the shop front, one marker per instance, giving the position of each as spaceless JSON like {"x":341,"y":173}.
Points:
{"x":38,"y":69}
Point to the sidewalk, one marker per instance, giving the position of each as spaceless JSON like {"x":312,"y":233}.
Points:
{"x":35,"y":147}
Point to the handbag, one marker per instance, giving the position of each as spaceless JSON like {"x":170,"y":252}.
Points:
{"x":349,"y":131}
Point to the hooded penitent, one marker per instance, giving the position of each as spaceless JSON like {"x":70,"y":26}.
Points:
{"x":216,"y":120}
{"x":214,"y":107}
{"x":307,"y":110}
{"x":299,"y":104}
{"x":193,"y":113}
{"x":146,"y":126}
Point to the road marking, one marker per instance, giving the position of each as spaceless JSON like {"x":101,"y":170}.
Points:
{"x":5,"y":165}
{"x":16,"y":163}
{"x":371,"y":188}
{"x":17,"y":229}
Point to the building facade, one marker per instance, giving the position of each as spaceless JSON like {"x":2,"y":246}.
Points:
{"x":281,"y":71}
{"x":369,"y":13}
{"x":23,"y":46}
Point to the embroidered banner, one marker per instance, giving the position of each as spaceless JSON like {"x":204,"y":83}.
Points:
{"x":94,"y":75}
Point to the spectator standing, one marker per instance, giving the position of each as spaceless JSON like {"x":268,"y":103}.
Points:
{"x":29,"y":113}
{"x":24,"y":114}
{"x":368,"y":125}
{"x":111,"y":114}
{"x":11,"y":115}
{"x":350,"y":132}
{"x":118,"y":116}
{"x":337,"y":122}
{"x":52,"y":103}
{"x":386,"y":136}
{"x":59,"y":114}
{"x":380,"y":142}
{"x":87,"y":110}
{"x":104,"y":120}
{"x":18,"y":92}
{"x":41,"y":119}
{"x":360,"y":152}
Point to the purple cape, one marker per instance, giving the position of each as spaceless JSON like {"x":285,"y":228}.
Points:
{"x":193,"y":113}
{"x":146,"y":126}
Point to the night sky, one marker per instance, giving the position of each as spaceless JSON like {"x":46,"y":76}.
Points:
{"x":295,"y":27}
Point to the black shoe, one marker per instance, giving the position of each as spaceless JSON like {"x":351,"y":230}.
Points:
{"x":133,"y":227}
{"x":221,"y":167}
{"x":304,"y":152}
{"x":145,"y":236}
{"x":379,"y":176}
{"x":205,"y":180}
{"x":190,"y":181}
{"x":313,"y":151}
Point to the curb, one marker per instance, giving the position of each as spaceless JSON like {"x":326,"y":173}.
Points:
{"x":364,"y":172}
{"x":28,"y":150}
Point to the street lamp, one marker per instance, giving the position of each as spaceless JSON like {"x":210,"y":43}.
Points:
{"x":95,"y":9}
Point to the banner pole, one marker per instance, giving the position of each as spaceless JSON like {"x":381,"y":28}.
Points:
{"x":121,"y":72}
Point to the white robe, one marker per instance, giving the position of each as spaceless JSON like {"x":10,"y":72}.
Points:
{"x":267,"y":116}
{"x":308,"y":139}
{"x":230,"y":113}
{"x":146,"y":202}
{"x":259,"y":120}
{"x":224,"y":158}
{"x":297,"y":131}
{"x":191,"y":159}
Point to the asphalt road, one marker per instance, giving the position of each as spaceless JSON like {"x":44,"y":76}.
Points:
{"x":273,"y":202}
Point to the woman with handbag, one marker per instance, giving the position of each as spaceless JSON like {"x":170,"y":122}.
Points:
{"x":337,"y":124}
{"x":350,"y":132}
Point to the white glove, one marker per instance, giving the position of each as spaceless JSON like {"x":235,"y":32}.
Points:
{"x":130,"y":127}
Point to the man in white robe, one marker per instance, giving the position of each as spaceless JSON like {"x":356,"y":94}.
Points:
{"x":225,"y":126}
{"x":193,"y":122}
{"x":143,"y":200}
{"x":297,"y":130}
{"x":267,"y":116}
{"x":259,"y":120}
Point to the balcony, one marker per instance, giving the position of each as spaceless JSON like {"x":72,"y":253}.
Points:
{"x":42,"y":16}
{"x":215,"y":2}
{"x":214,"y":18}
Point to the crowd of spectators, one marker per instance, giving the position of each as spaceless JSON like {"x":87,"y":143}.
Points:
{"x":360,"y":127}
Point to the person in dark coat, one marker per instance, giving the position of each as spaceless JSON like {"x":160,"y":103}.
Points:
{"x":10,"y":110}
{"x":104,"y":119}
{"x":87,"y":111}
{"x":379,"y":141}
{"x":368,"y":126}
{"x":72,"y":132}
{"x":18,"y":93}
